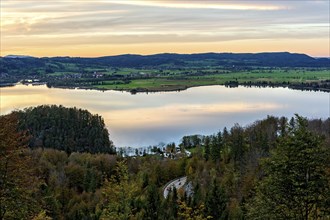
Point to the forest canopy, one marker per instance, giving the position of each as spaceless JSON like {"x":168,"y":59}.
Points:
{"x":67,"y":129}
{"x":275,"y":168}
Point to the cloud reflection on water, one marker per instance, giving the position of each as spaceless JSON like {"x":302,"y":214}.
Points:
{"x":146,"y":119}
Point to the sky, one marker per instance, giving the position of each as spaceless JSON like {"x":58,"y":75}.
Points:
{"x":92,"y":28}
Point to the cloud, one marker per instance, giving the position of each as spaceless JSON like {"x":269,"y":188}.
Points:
{"x":32,"y":23}
{"x":222,"y":5}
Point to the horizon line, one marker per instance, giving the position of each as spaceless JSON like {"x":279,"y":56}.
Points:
{"x":151,"y":54}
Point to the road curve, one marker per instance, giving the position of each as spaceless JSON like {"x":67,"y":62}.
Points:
{"x":177,"y":183}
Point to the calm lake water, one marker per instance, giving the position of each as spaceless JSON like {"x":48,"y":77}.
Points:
{"x":148,"y":119}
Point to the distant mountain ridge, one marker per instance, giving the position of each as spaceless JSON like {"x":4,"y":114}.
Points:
{"x":18,"y":56}
{"x":267,"y":59}
{"x":278,"y":59}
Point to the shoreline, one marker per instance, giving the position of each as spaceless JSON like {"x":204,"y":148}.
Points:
{"x":232,"y":84}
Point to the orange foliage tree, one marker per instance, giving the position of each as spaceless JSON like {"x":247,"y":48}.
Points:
{"x":18,"y":179}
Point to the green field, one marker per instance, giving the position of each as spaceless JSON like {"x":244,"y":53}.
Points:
{"x":256,"y":76}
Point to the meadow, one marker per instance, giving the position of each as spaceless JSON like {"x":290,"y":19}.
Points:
{"x":179,"y":80}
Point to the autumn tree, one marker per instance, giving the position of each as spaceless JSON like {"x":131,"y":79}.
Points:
{"x":18,"y":180}
{"x":119,"y":193}
{"x":188,"y":213}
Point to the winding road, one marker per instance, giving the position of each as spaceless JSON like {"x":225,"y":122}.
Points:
{"x":177,"y":183}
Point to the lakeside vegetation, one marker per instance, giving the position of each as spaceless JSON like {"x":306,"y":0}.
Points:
{"x":170,"y":72}
{"x":275,"y":168}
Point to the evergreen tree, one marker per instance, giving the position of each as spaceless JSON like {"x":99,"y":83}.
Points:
{"x":216,"y":202}
{"x":152,"y":202}
{"x":225,"y":146}
{"x":207,"y":148}
{"x":237,"y":144}
{"x":174,"y":202}
{"x":296,"y":185}
{"x":216,"y":147}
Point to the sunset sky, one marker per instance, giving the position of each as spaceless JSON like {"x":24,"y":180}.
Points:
{"x":90,"y":28}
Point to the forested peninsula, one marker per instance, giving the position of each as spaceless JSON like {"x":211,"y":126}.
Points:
{"x":66,"y":129}
{"x":274,"y":168}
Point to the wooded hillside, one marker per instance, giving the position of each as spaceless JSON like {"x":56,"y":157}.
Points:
{"x":272,"y":169}
{"x":67,"y":129}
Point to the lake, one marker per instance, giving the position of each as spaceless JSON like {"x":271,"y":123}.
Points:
{"x":148,"y":119}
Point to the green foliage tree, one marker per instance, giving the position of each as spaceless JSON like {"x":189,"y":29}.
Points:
{"x":296,"y":182}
